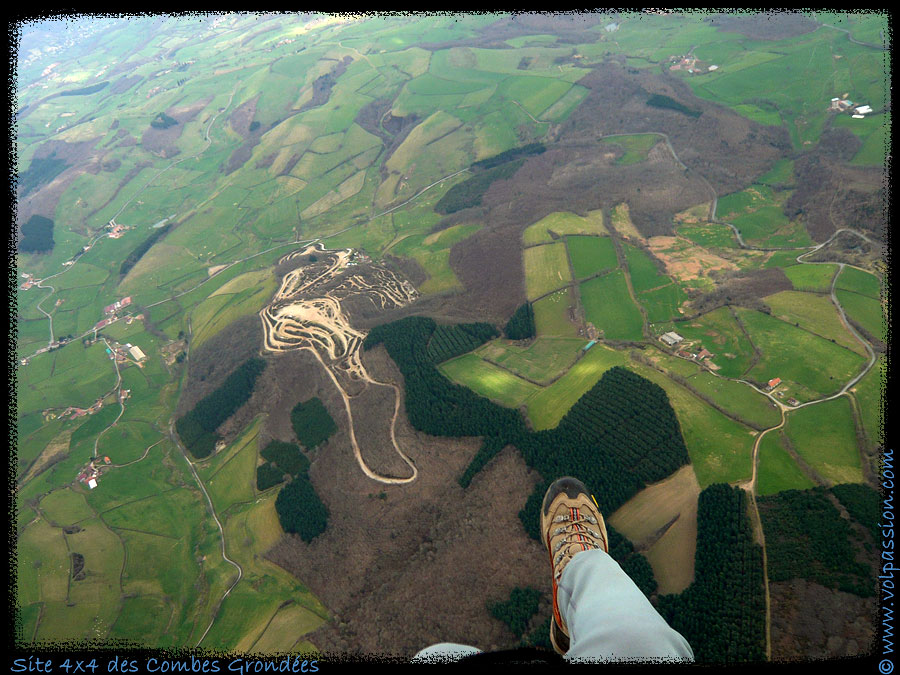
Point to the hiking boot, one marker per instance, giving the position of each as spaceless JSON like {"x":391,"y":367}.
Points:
{"x":570,"y":523}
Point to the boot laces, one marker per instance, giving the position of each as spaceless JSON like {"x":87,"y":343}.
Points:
{"x":576,"y":537}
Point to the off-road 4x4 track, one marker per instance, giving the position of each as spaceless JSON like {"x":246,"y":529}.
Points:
{"x":306,"y":313}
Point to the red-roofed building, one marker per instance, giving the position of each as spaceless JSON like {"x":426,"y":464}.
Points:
{"x":774,"y":382}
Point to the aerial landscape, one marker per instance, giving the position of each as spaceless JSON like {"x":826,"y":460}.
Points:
{"x":310,"y":310}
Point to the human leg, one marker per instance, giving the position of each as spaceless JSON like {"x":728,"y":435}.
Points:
{"x":598,"y":611}
{"x":609,"y":617}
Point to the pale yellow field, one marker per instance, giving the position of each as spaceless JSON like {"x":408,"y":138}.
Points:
{"x":243,"y":281}
{"x":59,"y":445}
{"x":621,"y":222}
{"x":344,"y":191}
{"x":285,"y":628}
{"x":672,"y":556}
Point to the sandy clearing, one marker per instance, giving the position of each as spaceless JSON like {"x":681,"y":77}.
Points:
{"x":684,"y":260}
{"x":302,"y":317}
{"x":644,"y":515}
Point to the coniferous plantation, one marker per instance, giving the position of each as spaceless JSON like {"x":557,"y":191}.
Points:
{"x":518,"y":610}
{"x":521,"y":324}
{"x":197,"y":428}
{"x":300,"y":510}
{"x":312,"y":423}
{"x":37,"y":235}
{"x":499,"y":167}
{"x":863,"y":503}
{"x":434,"y":404}
{"x":620,"y":436}
{"x":722,"y":613}
{"x":287,"y":457}
{"x":469,"y":193}
{"x":268,"y":475}
{"x":449,"y":341}
{"x":42,"y":171}
{"x":806,"y":537}
{"x":634,"y":563}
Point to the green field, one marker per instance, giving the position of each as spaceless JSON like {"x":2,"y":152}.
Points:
{"x":870,"y":393}
{"x":796,"y":355}
{"x":546,"y":269}
{"x":489,"y":380}
{"x":815,"y":278}
{"x":636,"y":146}
{"x":643,"y":271}
{"x":709,"y":235}
{"x":591,"y":255}
{"x":823,"y":434}
{"x":663,"y":303}
{"x":541,"y":361}
{"x":814,"y":313}
{"x":720,"y":334}
{"x":432,"y":252}
{"x":858,"y":281}
{"x":777,"y":469}
{"x":562,"y":223}
{"x":547,"y":407}
{"x":552,"y":314}
{"x":738,"y":399}
{"x":720,"y":448}
{"x":609,"y":307}
{"x":865,"y":311}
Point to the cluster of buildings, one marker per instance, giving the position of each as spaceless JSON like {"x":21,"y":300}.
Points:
{"x":117,"y":305}
{"x":110,"y":311}
{"x":673,"y":339}
{"x":772,"y":384}
{"x":844,"y":104}
{"x":690,"y":64}
{"x":90,"y":475}
{"x":115,"y":230}
{"x":121,"y":353}
{"x":29,"y":281}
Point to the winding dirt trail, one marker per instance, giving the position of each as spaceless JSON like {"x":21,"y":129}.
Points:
{"x":303,"y":317}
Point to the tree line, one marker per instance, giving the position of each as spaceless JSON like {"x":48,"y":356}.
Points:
{"x":499,"y":167}
{"x":132,"y":258}
{"x":722,"y":613}
{"x":197,"y":429}
{"x":521,"y":324}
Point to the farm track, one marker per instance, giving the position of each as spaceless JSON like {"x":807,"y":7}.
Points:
{"x":212,"y":510}
{"x":751,"y":485}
